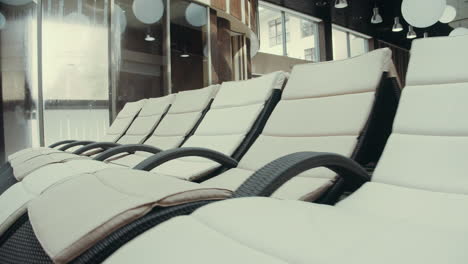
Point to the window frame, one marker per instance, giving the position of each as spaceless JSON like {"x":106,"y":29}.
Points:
{"x":350,"y":32}
{"x":285,"y":32}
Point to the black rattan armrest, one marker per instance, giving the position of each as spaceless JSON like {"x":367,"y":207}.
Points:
{"x":165,"y":156}
{"x":273,"y":175}
{"x":56,"y":144}
{"x":97,"y":145}
{"x":74,"y":144}
{"x":131,"y":148}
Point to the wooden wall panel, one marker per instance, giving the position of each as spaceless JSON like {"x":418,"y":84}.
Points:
{"x":247,"y":15}
{"x":224,"y":47}
{"x":220,"y":4}
{"x":214,"y":46}
{"x":236,"y":9}
{"x":253,"y":15}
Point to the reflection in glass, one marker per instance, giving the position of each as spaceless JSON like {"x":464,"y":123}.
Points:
{"x":138,"y":60}
{"x":189,"y":58}
{"x":271,"y":33}
{"x":303,"y":44}
{"x":18,"y":58}
{"x":75,"y":69}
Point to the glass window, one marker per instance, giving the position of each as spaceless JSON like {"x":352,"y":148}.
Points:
{"x":275,"y":29}
{"x":309,"y":54}
{"x":303,"y":37}
{"x":358,"y":45}
{"x":346,"y":44}
{"x":307,"y":28}
{"x":18,"y":77}
{"x":340,"y":44}
{"x":271,"y":30}
{"x":301,"y":34}
{"x":189,"y":27}
{"x":75,"y":70}
{"x":138,"y":63}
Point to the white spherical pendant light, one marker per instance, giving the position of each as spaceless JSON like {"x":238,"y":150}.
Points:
{"x":148,"y":11}
{"x":423,"y":13}
{"x":196,"y":15}
{"x":449,"y":14}
{"x":459,"y":31}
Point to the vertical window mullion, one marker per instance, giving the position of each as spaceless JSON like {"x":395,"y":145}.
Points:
{"x":318,"y":49}
{"x":283,"y":24}
{"x":348,"y":43}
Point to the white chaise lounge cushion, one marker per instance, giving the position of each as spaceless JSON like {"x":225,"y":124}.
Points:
{"x":265,"y":230}
{"x":185,"y":112}
{"x":114,"y":197}
{"x":429,"y":143}
{"x":317,"y":112}
{"x":141,"y":127}
{"x":147,"y":120}
{"x":232,"y":115}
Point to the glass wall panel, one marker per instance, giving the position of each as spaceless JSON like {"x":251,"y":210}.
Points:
{"x":138,"y":59}
{"x":271,"y":30}
{"x":346,"y":44}
{"x":18,"y":76}
{"x":358,"y":45}
{"x":340,"y":44}
{"x":75,"y":69}
{"x":189,"y":52}
{"x":303,"y":38}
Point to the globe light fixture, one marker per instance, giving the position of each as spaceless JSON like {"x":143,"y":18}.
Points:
{"x":423,"y":13}
{"x":196,"y":15}
{"x":449,"y":14}
{"x":459,"y":31}
{"x":148,"y":11}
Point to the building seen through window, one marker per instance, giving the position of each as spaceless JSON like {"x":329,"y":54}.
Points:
{"x":300,"y":32}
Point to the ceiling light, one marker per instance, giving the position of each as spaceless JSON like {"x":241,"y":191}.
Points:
{"x":397,"y":27}
{"x":185,"y":54}
{"x":148,"y":11}
{"x":422,"y":13}
{"x":449,"y":14}
{"x":376,"y":18}
{"x":341,"y":3}
{"x":411,"y":33}
{"x":459,"y":31}
{"x":149,"y":38}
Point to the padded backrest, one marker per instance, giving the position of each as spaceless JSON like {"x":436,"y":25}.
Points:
{"x":123,"y":120}
{"x":147,"y":120}
{"x":324,"y":108}
{"x":233,"y":113}
{"x":182,"y":117}
{"x":428,"y":148}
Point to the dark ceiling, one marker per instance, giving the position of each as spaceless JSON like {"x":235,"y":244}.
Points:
{"x":358,"y":14}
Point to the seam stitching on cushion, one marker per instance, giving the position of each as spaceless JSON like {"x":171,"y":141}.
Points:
{"x":372,"y":90}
